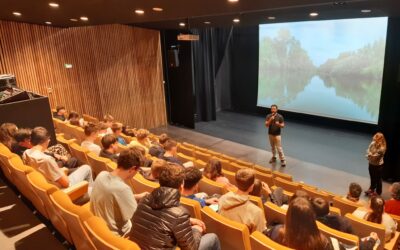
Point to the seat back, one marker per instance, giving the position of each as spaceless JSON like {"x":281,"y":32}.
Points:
{"x":70,"y":131}
{"x":192,"y":206}
{"x":79,"y":134}
{"x":274,"y":214}
{"x":121,"y":148}
{"x":313,"y":193}
{"x":224,"y":164}
{"x":74,"y":216}
{"x":363,"y":228}
{"x":345,"y":238}
{"x":245,"y":163}
{"x":97,"y":163}
{"x":234,"y":167}
{"x":5,"y":154}
{"x":211,"y":187}
{"x":262,"y":169}
{"x":199,"y":155}
{"x":44,"y":189}
{"x":260,"y":241}
{"x":282,"y":175}
{"x":111,"y":166}
{"x":232,"y":235}
{"x":287,"y":185}
{"x":199,"y":164}
{"x":64,"y":142}
{"x":185,"y":150}
{"x":62,"y":128}
{"x":184,"y":158}
{"x":79,"y":153}
{"x":335,"y":210}
{"x":267,"y":178}
{"x":104,"y":239}
{"x":344,"y":205}
{"x":90,"y":118}
{"x":230,"y":176}
{"x":139,"y":184}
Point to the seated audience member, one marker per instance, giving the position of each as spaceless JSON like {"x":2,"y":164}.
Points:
{"x":213,"y":171}
{"x":127,"y":130}
{"x":60,"y":113}
{"x":142,"y":140}
{"x":321,"y":209}
{"x":112,"y":199}
{"x":392,"y":206}
{"x":354,"y":194}
{"x":110,"y":147}
{"x":7,"y":133}
{"x":375,"y":213}
{"x":191,"y":187}
{"x":75,"y":119}
{"x":161,"y":223}
{"x":171,"y":148}
{"x":102,"y":129}
{"x":48,"y":166}
{"x":116,"y":127}
{"x":108,"y":120}
{"x":156,"y":167}
{"x":91,"y":133}
{"x":237,"y":206}
{"x":157,"y":148}
{"x":22,"y":141}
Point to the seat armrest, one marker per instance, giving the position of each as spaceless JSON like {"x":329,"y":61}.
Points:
{"x":78,"y":190}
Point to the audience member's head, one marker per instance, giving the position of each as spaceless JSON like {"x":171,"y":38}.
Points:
{"x":300,"y":193}
{"x":395,"y":190}
{"x":321,"y":207}
{"x":163,"y":138}
{"x":257,"y":188}
{"x":171,"y":146}
{"x":73,"y":118}
{"x":7,"y":133}
{"x":40,"y":136}
{"x":213,"y":169}
{"x":157,"y":166}
{"x":192,"y":179}
{"x":377,"y":206}
{"x":91,"y":131}
{"x":110,"y":143}
{"x":129,"y":131}
{"x":245,"y":179}
{"x":116,"y":127}
{"x":301,"y":231}
{"x":355,"y":191}
{"x":172,"y":177}
{"x":142,"y":134}
{"x":23,"y":137}
{"x":140,"y":149}
{"x":130,"y":160}
{"x":102,"y":128}
{"x":108,"y":120}
{"x":60,"y":110}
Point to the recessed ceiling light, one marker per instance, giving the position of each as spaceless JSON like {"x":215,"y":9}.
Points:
{"x":314,"y":14}
{"x":139,"y":12}
{"x":17,"y":13}
{"x":366,"y":11}
{"x":271,"y":18}
{"x":207,"y":22}
{"x":182,"y":24}
{"x":233,"y":1}
{"x":158,"y":9}
{"x":48,"y":23}
{"x":54,"y":5}
{"x":84,"y":18}
{"x":236,"y":20}
{"x":73,"y":20}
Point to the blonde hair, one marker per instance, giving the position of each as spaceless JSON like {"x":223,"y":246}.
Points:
{"x":380,"y":140}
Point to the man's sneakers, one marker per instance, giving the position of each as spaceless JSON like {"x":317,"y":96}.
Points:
{"x":283,"y":163}
{"x":273,"y":160}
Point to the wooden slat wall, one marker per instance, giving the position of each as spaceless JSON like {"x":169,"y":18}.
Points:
{"x":117,"y":69}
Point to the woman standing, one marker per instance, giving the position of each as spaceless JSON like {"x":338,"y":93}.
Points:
{"x":375,"y":153}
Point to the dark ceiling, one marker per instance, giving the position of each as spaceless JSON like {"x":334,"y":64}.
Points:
{"x":218,"y":12}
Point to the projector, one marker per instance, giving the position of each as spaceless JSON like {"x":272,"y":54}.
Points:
{"x":188,"y":37}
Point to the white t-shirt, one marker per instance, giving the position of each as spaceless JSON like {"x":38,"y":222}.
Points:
{"x":91,"y":146}
{"x":112,"y":199}
{"x":45,"y":164}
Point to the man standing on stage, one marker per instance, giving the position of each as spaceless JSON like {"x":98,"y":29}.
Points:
{"x":274,"y":122}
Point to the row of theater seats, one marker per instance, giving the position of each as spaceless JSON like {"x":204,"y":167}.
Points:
{"x":75,"y":223}
{"x":225,"y":228}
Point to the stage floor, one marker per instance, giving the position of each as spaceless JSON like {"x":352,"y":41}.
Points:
{"x":327,"y":158}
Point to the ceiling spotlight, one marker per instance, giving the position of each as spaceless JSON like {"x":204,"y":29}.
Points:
{"x":271,"y":18}
{"x":48,"y":23}
{"x":207,"y":22}
{"x":17,"y":13}
{"x":314,"y":14}
{"x":339,"y":3}
{"x":182,"y":24}
{"x":73,"y":20}
{"x":366,"y":11}
{"x":84,"y":18}
{"x":233,"y":1}
{"x":236,"y":20}
{"x":158,"y":9}
{"x":139,"y":12}
{"x":54,"y":5}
